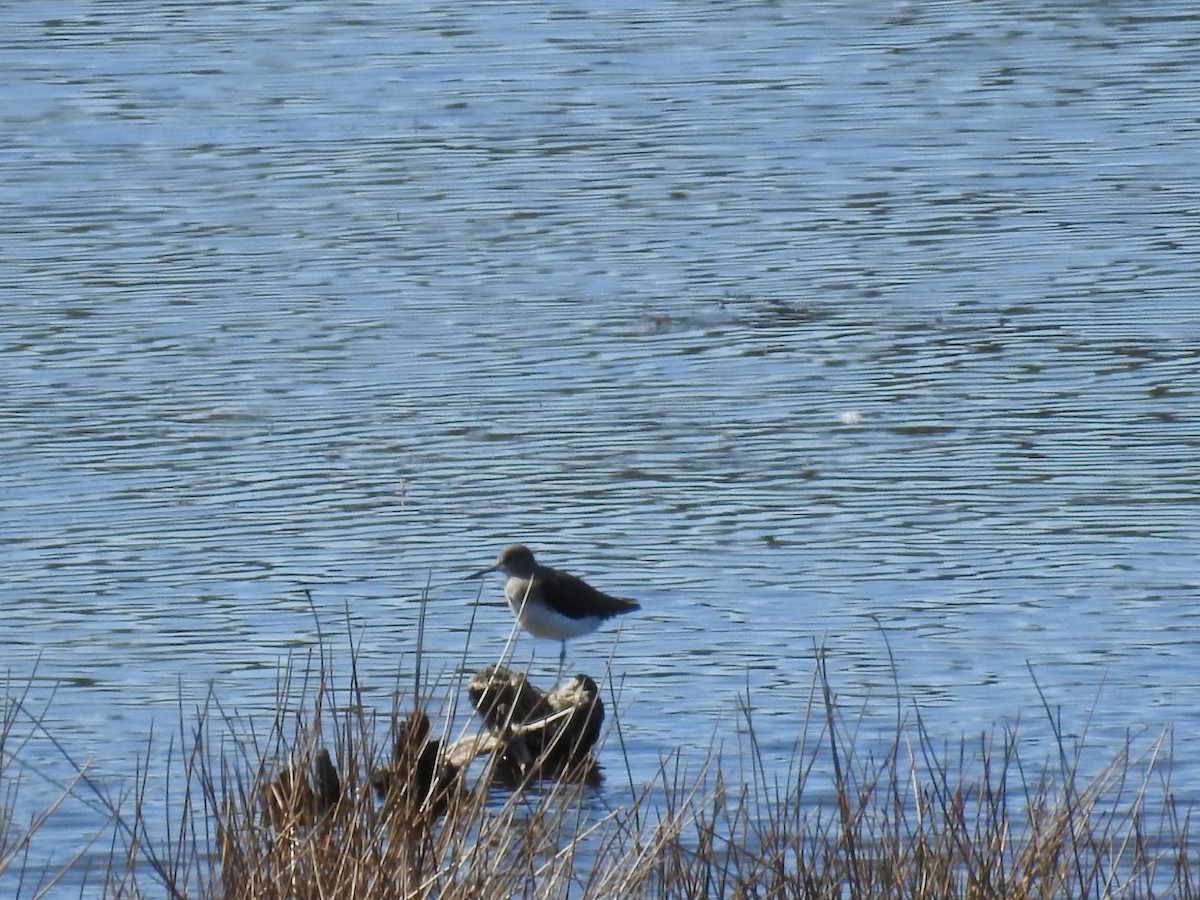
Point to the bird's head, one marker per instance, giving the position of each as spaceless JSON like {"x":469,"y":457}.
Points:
{"x":515,"y":559}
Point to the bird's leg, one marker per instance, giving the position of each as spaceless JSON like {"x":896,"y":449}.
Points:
{"x":562,"y":661}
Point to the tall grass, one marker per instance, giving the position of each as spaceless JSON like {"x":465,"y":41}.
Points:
{"x":21,"y":726}
{"x":259,"y":816}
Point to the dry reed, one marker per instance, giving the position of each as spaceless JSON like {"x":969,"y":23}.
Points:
{"x":260,"y":817}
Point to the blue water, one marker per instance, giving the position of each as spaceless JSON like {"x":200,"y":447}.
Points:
{"x":799,"y":323}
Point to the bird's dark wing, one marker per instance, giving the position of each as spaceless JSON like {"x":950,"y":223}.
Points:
{"x":576,"y":599}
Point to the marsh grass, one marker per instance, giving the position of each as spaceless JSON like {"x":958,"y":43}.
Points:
{"x":20,"y":727}
{"x":910,"y":816}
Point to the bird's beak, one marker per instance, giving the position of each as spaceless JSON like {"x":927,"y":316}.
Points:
{"x":480,"y":573}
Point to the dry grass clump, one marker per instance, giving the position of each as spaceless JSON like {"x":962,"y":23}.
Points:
{"x":917,"y":822}
{"x":326,"y":802}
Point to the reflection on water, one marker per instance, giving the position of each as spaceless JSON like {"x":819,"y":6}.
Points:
{"x":798,"y":324}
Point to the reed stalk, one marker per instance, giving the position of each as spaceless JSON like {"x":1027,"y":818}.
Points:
{"x":913,"y":816}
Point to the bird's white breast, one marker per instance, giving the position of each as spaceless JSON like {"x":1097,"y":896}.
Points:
{"x":541,"y":621}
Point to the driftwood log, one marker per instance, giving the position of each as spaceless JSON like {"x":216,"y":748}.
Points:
{"x":421,"y":781}
{"x":533,"y":735}
{"x":303,"y":794}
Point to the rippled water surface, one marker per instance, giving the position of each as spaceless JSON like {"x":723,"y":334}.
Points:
{"x":799,"y":323}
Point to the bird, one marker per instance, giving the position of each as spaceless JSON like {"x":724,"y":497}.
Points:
{"x":550,"y":603}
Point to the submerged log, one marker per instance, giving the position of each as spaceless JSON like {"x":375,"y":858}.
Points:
{"x":421,"y":780}
{"x":533,"y":734}
{"x":301,"y":797}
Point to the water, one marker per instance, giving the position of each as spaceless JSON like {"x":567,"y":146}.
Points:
{"x":798,"y":323}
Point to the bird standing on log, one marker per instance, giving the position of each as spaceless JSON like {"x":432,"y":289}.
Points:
{"x":550,"y":603}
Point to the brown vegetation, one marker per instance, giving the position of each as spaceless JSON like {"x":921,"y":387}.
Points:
{"x":316,"y":810}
